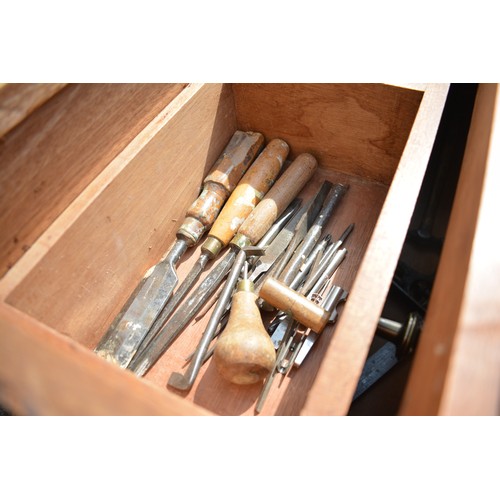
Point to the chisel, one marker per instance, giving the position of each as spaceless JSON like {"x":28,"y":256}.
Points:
{"x":142,"y":308}
{"x":251,"y":231}
{"x":253,"y":186}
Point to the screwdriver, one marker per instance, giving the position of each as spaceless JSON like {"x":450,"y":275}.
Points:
{"x":253,"y":186}
{"x":130,"y":326}
{"x":251,"y":231}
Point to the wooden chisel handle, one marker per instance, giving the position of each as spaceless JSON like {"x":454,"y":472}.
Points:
{"x":218,"y":185}
{"x":248,"y":193}
{"x":277,"y":199}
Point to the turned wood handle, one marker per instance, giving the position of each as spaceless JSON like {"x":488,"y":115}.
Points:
{"x":244,"y":353}
{"x":220,"y":182}
{"x":277,"y":199}
{"x":303,"y":310}
{"x":251,"y":189}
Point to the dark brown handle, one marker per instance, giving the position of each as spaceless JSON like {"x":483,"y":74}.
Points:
{"x":220,"y":182}
{"x":279,"y":197}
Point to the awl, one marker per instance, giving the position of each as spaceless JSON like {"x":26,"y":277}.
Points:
{"x":253,"y":186}
{"x":127,"y":331}
{"x":251,"y":231}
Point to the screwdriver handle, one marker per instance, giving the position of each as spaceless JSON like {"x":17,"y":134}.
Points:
{"x":277,"y":199}
{"x":248,"y":193}
{"x":220,"y":182}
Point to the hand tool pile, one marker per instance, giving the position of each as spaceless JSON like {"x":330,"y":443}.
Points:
{"x":279,"y":264}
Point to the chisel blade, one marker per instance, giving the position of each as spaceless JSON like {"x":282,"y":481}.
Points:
{"x":148,"y":355}
{"x":128,"y":330}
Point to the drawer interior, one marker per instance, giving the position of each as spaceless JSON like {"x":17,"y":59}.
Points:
{"x":93,"y":251}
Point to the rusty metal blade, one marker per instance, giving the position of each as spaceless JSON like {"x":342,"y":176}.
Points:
{"x":131,"y":325}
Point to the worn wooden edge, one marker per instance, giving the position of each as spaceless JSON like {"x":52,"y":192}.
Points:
{"x":57,"y":229}
{"x":56,"y":376}
{"x":422,"y":87}
{"x":343,"y":362}
{"x":19,"y":100}
{"x":456,"y":370}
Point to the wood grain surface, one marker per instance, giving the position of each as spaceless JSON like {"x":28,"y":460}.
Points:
{"x":131,"y":218}
{"x":19,"y":100}
{"x":456,"y":370}
{"x":57,"y":376}
{"x":48,"y":160}
{"x":360,"y":129}
{"x":344,"y":360}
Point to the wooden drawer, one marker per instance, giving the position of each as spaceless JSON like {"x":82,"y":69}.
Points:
{"x":94,"y":184}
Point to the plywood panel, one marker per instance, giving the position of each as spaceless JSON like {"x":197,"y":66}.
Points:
{"x":86,"y":276}
{"x":360,"y":129}
{"x":44,"y":373}
{"x":51,"y":157}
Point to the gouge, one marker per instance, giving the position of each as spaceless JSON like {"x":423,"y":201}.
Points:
{"x":130,"y":326}
{"x":251,"y":231}
{"x":253,"y":186}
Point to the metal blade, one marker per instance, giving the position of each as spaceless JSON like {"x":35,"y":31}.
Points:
{"x":147,"y":356}
{"x":128,"y":330}
{"x":309,"y":240}
{"x":377,"y":365}
{"x":176,"y":299}
{"x":308,"y":216}
{"x":294,"y":230}
{"x":184,"y":381}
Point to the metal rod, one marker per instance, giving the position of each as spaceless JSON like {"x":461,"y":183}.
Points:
{"x":185,"y":381}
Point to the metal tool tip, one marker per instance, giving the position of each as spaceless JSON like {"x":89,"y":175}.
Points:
{"x":179,"y":381}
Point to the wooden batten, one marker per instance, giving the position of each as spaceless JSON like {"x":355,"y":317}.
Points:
{"x":346,"y":355}
{"x":456,"y":366}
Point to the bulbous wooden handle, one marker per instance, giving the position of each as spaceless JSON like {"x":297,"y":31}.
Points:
{"x":219,"y":184}
{"x":278,"y":198}
{"x":244,"y":353}
{"x":249,"y":192}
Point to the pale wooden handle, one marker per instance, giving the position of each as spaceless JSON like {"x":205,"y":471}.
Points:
{"x":218,"y":185}
{"x":303,"y":310}
{"x":251,"y":189}
{"x":279,"y":197}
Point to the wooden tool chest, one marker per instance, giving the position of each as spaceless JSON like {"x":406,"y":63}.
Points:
{"x":95,"y":180}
